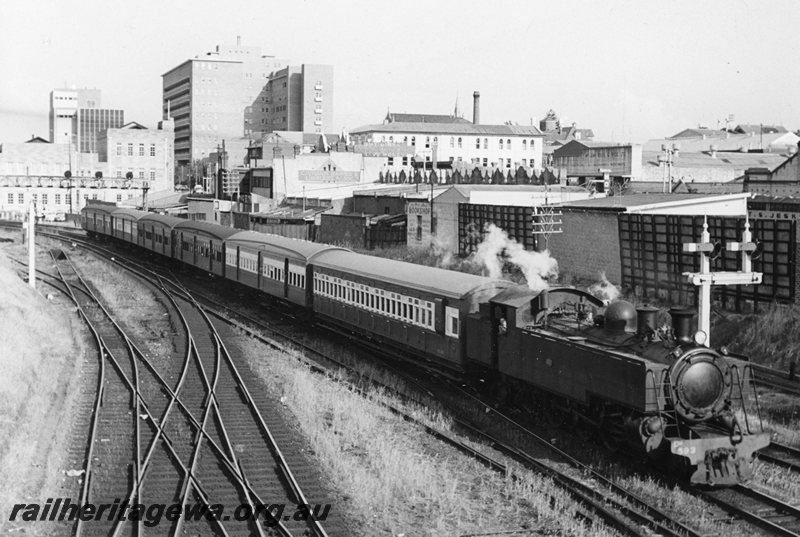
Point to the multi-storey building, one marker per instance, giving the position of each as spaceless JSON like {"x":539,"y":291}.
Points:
{"x":212,"y":98}
{"x":500,"y":146}
{"x":77,"y":119}
{"x":130,"y":161}
{"x":296,"y":98}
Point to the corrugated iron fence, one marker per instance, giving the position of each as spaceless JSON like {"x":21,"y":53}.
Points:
{"x":653,"y":262}
{"x":473,"y":219}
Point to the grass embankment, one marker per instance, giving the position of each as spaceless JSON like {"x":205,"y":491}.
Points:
{"x":40,"y":349}
{"x":399,"y":479}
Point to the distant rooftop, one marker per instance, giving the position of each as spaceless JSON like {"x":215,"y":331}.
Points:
{"x":704,"y":159}
{"x":392,"y":117}
{"x":451,"y":128}
{"x":728,"y":141}
{"x":641,"y":201}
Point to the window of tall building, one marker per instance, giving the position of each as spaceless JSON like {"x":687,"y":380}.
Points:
{"x":141,"y":150}
{"x":119,"y":173}
{"x":524,"y":145}
{"x":21,"y":198}
{"x":130,"y":150}
{"x":508,"y":144}
{"x":152,"y":150}
{"x":532,"y":162}
{"x":485,"y":161}
{"x":35,"y":197}
{"x":58,"y":199}
{"x":152,"y":175}
{"x":459,"y":143}
{"x":501,"y":143}
{"x":477,"y":143}
{"x":119,"y":149}
{"x":389,"y":161}
{"x":44,"y":199}
{"x":141,"y":174}
{"x":68,"y":199}
{"x":486,"y":143}
{"x":10,"y":198}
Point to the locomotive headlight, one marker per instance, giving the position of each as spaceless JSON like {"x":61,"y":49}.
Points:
{"x":700,"y":337}
{"x":700,"y":384}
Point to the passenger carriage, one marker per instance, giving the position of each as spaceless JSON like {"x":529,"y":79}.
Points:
{"x":201,"y":244}
{"x":96,"y":219}
{"x":274,"y":264}
{"x":124,"y":224}
{"x":415,"y":307}
{"x":154,"y":232}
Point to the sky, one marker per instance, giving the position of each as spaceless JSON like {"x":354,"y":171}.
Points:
{"x":629,"y":70}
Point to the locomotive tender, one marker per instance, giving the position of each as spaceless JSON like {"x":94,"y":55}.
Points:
{"x":659,"y":391}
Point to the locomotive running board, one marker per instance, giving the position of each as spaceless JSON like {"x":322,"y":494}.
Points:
{"x":718,"y":461}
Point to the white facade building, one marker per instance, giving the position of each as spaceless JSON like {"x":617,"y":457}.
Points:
{"x":503,"y":146}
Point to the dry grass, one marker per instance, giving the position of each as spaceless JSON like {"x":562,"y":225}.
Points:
{"x":399,"y":479}
{"x":778,"y":482}
{"x":40,"y":347}
{"x":32,"y":335}
{"x":135,"y":306}
{"x":770,"y":337}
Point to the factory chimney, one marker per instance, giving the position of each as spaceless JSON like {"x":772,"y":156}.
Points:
{"x":476,"y":108}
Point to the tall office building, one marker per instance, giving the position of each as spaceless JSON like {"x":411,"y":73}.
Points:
{"x":77,"y":119}
{"x":297,"y":98}
{"x":212,"y":98}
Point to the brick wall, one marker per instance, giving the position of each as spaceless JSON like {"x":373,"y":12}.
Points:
{"x":343,"y":230}
{"x":588,"y":245}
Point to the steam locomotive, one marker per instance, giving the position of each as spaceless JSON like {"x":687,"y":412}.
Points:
{"x":658,"y":390}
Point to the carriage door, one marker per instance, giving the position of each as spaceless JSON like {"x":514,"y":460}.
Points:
{"x":452,"y":329}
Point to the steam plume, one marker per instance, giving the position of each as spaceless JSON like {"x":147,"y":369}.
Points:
{"x":604,"y":289}
{"x":535,"y":266}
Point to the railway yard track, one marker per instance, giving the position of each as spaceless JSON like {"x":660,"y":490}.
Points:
{"x":183,"y":432}
{"x":208,"y":367}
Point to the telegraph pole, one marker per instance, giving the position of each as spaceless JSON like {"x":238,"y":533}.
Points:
{"x":31,"y":248}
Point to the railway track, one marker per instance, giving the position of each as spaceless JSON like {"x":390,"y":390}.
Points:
{"x":767,"y":513}
{"x":781,"y":381}
{"x":785,"y":527}
{"x":137,"y":449}
{"x":781,"y":455}
{"x":636,"y":513}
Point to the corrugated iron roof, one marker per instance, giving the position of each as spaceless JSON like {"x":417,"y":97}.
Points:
{"x":392,"y":117}
{"x":720,"y":160}
{"x":451,"y":128}
{"x":623,"y":203}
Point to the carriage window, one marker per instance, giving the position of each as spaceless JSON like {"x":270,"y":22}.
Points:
{"x":451,"y":324}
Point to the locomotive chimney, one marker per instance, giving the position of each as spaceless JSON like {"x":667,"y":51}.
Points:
{"x":476,"y":108}
{"x":646,"y":320}
{"x":683,"y":324}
